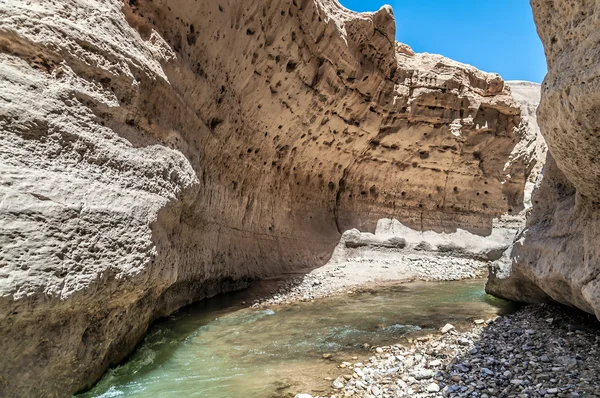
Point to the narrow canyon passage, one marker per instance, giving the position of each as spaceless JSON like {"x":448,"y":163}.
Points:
{"x":160,"y":153}
{"x":359,"y":326}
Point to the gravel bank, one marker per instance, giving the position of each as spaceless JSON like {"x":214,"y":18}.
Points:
{"x":394,"y":253}
{"x":335,"y":277}
{"x":540,"y":351}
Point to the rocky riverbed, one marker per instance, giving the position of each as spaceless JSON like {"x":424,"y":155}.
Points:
{"x":540,"y":351}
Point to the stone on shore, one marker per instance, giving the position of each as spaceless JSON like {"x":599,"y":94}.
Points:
{"x":446,"y":328}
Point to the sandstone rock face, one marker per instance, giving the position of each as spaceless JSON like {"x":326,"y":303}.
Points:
{"x":557,"y":257}
{"x":532,"y":145}
{"x":153,"y":153}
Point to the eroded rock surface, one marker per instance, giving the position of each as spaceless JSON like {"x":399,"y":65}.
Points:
{"x":558,"y":256}
{"x":153,"y":153}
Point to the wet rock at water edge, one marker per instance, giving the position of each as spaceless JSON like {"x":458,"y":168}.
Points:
{"x":338,"y":384}
{"x":446,"y":328}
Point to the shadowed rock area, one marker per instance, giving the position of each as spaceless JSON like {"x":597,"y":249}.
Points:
{"x":557,"y":257}
{"x":154,"y":153}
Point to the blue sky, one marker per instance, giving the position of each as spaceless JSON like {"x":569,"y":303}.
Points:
{"x":492,"y":35}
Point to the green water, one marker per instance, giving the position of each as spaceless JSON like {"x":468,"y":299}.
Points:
{"x":215,"y":349}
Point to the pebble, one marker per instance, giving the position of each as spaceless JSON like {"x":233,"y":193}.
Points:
{"x":446,"y":328}
{"x":462,"y":368}
{"x":433,"y":388}
{"x":423,"y":374}
{"x":487,"y":371}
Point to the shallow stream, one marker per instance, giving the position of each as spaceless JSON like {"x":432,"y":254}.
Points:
{"x":217,"y":349}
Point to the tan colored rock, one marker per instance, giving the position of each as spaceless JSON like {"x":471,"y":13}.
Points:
{"x":154,"y":153}
{"x":558,"y":257}
{"x":531,"y":149}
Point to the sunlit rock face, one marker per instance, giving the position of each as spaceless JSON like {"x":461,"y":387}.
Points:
{"x":154,"y":153}
{"x":558,"y":256}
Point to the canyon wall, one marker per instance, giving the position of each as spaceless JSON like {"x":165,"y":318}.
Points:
{"x":153,"y":153}
{"x":557,"y":257}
